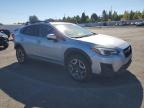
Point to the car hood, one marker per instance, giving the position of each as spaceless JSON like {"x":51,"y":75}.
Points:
{"x":105,"y":40}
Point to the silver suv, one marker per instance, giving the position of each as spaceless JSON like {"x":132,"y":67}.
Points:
{"x":81,"y":51}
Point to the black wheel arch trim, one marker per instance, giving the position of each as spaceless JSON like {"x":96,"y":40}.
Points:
{"x":18,"y":45}
{"x":76,"y":51}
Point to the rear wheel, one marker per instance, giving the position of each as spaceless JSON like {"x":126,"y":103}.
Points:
{"x":21,"y":55}
{"x":78,"y":67}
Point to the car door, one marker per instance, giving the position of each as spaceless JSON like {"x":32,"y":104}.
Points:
{"x":30,"y":39}
{"x":50,"y":49}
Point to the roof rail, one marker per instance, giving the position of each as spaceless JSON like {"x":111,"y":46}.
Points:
{"x":28,"y":23}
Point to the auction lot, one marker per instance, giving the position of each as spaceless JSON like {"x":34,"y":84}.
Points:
{"x":44,"y":85}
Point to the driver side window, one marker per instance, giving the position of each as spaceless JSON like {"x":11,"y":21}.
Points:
{"x":45,"y":30}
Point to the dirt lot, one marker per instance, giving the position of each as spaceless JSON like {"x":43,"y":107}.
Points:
{"x":45,"y":85}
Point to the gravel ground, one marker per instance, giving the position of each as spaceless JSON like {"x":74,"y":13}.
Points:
{"x":44,"y":85}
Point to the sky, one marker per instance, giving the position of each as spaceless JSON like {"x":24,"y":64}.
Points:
{"x":13,"y":11}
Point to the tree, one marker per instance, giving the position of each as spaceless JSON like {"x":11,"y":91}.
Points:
{"x":142,"y":14}
{"x":50,"y":20}
{"x":94,"y":17}
{"x":33,"y":19}
{"x":64,"y":19}
{"x":83,"y":18}
{"x":131,"y":15}
{"x":126,"y":15}
{"x":104,"y":15}
{"x":68,"y":19}
{"x":78,"y":19}
{"x":137,"y":15}
{"x":115,"y":16}
{"x":73,"y":19}
{"x":120,"y":17}
{"x":88,"y":19}
{"x":110,"y":17}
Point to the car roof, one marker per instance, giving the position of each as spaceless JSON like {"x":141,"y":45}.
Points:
{"x":51,"y":23}
{"x":47,"y":23}
{"x":60,"y":23}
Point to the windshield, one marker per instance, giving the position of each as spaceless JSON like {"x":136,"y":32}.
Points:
{"x":73,"y":30}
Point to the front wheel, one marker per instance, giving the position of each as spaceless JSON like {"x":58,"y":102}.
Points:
{"x":20,"y":54}
{"x":6,"y":45}
{"x":78,"y":67}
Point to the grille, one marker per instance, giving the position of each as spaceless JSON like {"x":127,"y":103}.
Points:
{"x":127,"y":51}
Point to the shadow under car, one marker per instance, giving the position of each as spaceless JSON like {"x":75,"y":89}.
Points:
{"x":46,"y":85}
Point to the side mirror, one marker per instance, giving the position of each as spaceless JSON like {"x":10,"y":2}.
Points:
{"x":51,"y":37}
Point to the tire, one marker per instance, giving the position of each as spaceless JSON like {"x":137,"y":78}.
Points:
{"x":78,"y":67}
{"x":21,"y":55}
{"x":6,"y":45}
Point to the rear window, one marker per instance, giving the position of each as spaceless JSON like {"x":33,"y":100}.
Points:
{"x":31,"y":30}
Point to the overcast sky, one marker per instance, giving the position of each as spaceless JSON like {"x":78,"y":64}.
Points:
{"x":12,"y":11}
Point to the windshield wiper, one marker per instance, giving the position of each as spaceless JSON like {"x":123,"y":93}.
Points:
{"x":89,"y":35}
{"x":85,"y":35}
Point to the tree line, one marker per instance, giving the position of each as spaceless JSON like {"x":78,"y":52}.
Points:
{"x":104,"y":17}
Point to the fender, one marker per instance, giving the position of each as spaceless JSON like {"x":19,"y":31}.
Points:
{"x":18,"y":45}
{"x":71,"y":51}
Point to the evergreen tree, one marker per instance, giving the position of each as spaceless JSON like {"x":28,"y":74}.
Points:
{"x":110,"y":16}
{"x":94,"y":17}
{"x":115,"y":16}
{"x":104,"y":15}
{"x":88,"y":19}
{"x":64,"y":19}
{"x":131,"y":15}
{"x":78,"y":19}
{"x":83,"y":18}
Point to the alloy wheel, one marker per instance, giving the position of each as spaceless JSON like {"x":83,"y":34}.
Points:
{"x":77,"y":69}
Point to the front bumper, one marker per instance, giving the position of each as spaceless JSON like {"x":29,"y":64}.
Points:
{"x":110,"y":65}
{"x":108,"y":70}
{"x":3,"y":41}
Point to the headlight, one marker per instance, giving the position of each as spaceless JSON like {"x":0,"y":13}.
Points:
{"x":106,"y":51}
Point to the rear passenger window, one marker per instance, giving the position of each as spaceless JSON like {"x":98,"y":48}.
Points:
{"x":31,"y":30}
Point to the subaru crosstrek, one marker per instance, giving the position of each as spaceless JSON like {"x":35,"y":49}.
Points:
{"x":81,"y":51}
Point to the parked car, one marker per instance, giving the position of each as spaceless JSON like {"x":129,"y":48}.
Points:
{"x":140,"y":23}
{"x":5,"y":31}
{"x":81,"y":51}
{"x":4,"y":43}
